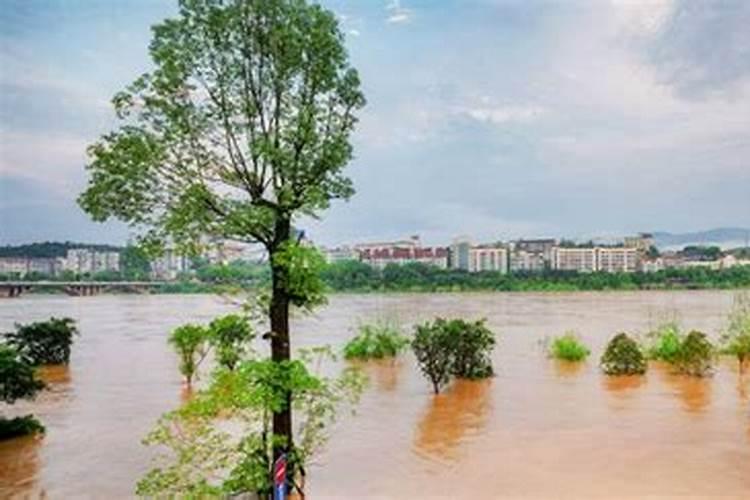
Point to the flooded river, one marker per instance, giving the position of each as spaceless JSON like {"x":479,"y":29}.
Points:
{"x":538,"y":429}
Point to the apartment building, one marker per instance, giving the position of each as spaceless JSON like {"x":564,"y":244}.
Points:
{"x":21,"y":266}
{"x":488,"y":258}
{"x":591,"y":259}
{"x":169,"y":265}
{"x":617,"y":259}
{"x":381,"y":254}
{"x":582,"y":260}
{"x":475,"y":258}
{"x":84,"y":260}
{"x":542,"y":247}
{"x":522,"y":261}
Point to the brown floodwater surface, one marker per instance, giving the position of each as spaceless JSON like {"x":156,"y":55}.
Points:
{"x":539,"y":428}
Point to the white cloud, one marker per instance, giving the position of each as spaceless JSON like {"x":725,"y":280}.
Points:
{"x":55,"y":161}
{"x":499,"y":115}
{"x":396,"y":13}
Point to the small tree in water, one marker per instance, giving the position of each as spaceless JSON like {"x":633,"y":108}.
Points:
{"x":44,"y":342}
{"x":696,"y":355}
{"x":17,"y":381}
{"x":191,"y":344}
{"x":230,"y":337}
{"x":448,"y":348}
{"x":205,"y":461}
{"x":623,"y":356}
{"x":736,"y":338}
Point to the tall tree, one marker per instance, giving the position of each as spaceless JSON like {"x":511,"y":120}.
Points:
{"x":242,"y":126}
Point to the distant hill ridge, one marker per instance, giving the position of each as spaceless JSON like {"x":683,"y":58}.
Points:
{"x":725,"y":236}
{"x":51,"y":249}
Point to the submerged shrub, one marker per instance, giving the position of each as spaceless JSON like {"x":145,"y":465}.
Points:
{"x":736,"y":338}
{"x":473,"y":343}
{"x":696,"y":355}
{"x":623,"y":356}
{"x":44,"y":342}
{"x":17,"y":381}
{"x":666,"y":340}
{"x":230,"y":337}
{"x":433,"y":349}
{"x":569,"y":347}
{"x":448,"y":348}
{"x":379,"y":340}
{"x":19,"y":426}
{"x":191,"y":344}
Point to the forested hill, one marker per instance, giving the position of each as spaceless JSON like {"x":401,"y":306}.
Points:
{"x":50,"y":249}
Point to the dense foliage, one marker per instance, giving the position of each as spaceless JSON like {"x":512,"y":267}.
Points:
{"x":17,"y":381}
{"x":453,"y":348}
{"x":191,"y":344}
{"x":379,"y":340}
{"x":696,"y":355}
{"x":569,"y":347}
{"x":736,"y":337}
{"x":50,"y":249}
{"x":230,"y":337}
{"x":433,"y":349}
{"x":44,"y":342}
{"x":665,"y":341}
{"x":206,"y":461}
{"x":623,"y":356}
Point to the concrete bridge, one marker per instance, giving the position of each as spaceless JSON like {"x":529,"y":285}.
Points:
{"x":9,"y":289}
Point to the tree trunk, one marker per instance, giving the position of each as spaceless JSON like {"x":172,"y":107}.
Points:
{"x":280,"y":349}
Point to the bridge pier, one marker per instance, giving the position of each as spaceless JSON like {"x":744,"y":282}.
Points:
{"x":12,"y":290}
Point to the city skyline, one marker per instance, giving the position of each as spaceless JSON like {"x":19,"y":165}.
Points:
{"x":546,"y":118}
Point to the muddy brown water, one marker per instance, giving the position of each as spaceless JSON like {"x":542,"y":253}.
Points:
{"x":539,"y":429}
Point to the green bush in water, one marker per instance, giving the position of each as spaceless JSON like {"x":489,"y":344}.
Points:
{"x":19,"y":426}
{"x":44,"y":342}
{"x":191,"y":344}
{"x":453,"y":348}
{"x":623,"y":356}
{"x":230,"y":336}
{"x":472,"y":343}
{"x":736,"y":338}
{"x":376,"y":341}
{"x":568,"y":347}
{"x":696,"y":355}
{"x":666,"y":341}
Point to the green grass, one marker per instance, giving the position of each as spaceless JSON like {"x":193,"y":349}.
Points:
{"x":569,"y":347}
{"x":375,"y":341}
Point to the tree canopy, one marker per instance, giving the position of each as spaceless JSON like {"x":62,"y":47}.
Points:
{"x":244,"y":121}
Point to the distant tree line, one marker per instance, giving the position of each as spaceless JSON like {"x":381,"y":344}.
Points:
{"x":51,"y":249}
{"x":358,"y":276}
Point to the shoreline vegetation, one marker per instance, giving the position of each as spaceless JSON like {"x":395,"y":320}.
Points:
{"x":357,"y":277}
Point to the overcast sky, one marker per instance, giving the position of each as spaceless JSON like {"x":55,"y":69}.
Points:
{"x":488,"y":118}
